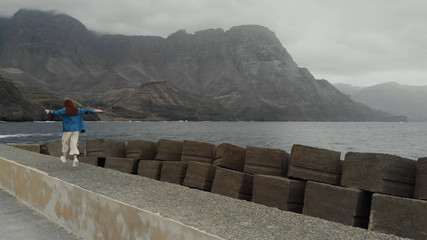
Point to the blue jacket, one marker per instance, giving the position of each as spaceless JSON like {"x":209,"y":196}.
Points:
{"x":72,"y":123}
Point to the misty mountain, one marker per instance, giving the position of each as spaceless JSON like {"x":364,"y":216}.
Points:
{"x":391,"y":97}
{"x":243,"y":73}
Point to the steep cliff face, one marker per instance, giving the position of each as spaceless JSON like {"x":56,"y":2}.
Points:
{"x":3,"y":24}
{"x":243,"y":73}
{"x":14,"y":106}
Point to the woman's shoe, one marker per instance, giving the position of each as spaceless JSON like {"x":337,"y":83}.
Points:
{"x":63,"y":159}
{"x":75,"y":162}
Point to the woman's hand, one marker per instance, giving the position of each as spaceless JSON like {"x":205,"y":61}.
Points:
{"x":47,"y":111}
{"x":98,"y":111}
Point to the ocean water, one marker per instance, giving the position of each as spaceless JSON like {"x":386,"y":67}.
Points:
{"x":403,"y":139}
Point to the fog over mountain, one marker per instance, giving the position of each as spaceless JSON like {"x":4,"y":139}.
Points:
{"x":243,"y":73}
{"x":391,"y":97}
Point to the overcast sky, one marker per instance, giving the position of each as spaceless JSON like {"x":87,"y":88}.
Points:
{"x":360,"y":42}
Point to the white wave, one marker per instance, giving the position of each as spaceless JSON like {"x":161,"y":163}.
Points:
{"x":24,"y":135}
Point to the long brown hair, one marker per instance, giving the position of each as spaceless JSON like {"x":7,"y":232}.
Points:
{"x":71,"y":108}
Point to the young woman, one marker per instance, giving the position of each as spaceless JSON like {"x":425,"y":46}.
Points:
{"x":72,"y":125}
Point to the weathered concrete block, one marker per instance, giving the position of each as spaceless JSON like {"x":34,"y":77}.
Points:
{"x":29,"y":147}
{"x":379,"y":173}
{"x":105,"y":148}
{"x":420,"y":190}
{"x":266,"y":161}
{"x":89,"y":160}
{"x":126,"y":165}
{"x":173,"y":172}
{"x":233,"y":184}
{"x":168,"y":150}
{"x":400,"y":216}
{"x":280,"y":192}
{"x":150,"y":169}
{"x":199,"y":175}
{"x":142,"y":150}
{"x":339,"y":204}
{"x":315,"y":164}
{"x":54,"y":148}
{"x":197,"y":151}
{"x":230,"y":156}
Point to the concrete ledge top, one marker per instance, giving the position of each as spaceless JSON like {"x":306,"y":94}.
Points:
{"x":222,"y":216}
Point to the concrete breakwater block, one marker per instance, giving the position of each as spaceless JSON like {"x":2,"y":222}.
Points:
{"x":126,"y":165}
{"x":54,"y":148}
{"x":266,"y":161}
{"x":400,"y":216}
{"x":230,"y":156}
{"x":142,"y":150}
{"x":315,"y":164}
{"x":200,"y":175}
{"x":89,"y":160}
{"x":338,"y":204}
{"x":280,"y":192}
{"x":150,"y":169}
{"x":105,"y":148}
{"x":379,"y":173}
{"x":29,"y":147}
{"x":197,"y":151}
{"x":173,"y":172}
{"x":420,"y":190}
{"x":233,"y":184}
{"x":168,"y":150}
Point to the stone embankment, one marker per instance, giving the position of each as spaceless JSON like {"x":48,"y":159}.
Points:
{"x":379,"y":192}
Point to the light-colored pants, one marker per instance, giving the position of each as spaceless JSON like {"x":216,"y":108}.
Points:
{"x":69,"y":142}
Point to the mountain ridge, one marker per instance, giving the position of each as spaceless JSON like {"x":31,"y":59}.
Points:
{"x":392,"y":97}
{"x":243,"y":73}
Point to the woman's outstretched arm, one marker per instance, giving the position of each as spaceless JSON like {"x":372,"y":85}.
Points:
{"x":89,"y":111}
{"x":55,"y":112}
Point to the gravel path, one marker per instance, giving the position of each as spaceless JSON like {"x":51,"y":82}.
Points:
{"x":219,"y":215}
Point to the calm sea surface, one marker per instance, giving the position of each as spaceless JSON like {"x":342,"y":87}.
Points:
{"x":402,"y":139}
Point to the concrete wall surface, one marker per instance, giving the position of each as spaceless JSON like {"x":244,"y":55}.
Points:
{"x":89,"y":215}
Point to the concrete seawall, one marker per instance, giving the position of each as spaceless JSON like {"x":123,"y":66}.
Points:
{"x":88,"y":214}
{"x":100,"y":203}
